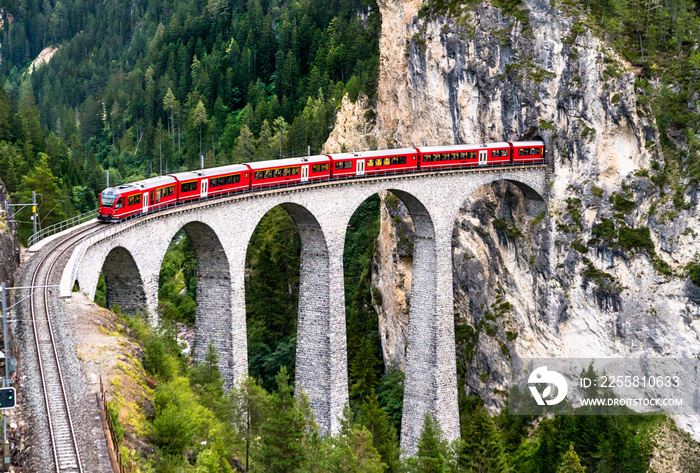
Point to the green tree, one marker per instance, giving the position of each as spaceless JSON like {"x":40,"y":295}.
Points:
{"x":481,"y":449}
{"x":434,"y":455}
{"x":283,"y":435}
{"x":51,"y":201}
{"x":352,"y":450}
{"x":250,"y":409}
{"x":157,"y":361}
{"x":245,"y":146}
{"x":199,"y":120}
{"x":571,"y":463}
{"x":172,"y":106}
{"x":83,"y":199}
{"x":384,"y":437}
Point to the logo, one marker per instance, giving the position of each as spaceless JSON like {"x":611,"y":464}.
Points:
{"x":542,"y":376}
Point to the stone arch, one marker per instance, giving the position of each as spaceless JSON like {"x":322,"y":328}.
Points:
{"x":123,"y":281}
{"x":213,"y":297}
{"x":423,"y":383}
{"x":313,"y":351}
{"x":534,"y":200}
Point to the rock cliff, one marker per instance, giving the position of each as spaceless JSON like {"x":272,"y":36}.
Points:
{"x":600,"y":272}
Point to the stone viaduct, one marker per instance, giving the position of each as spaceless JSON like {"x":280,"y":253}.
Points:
{"x":130,"y":255}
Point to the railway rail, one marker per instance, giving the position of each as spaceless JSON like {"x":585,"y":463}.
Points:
{"x":66,"y":453}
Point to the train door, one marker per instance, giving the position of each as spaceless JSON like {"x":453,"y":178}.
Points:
{"x":360,"y":167}
{"x":205,"y":187}
{"x":482,"y":156}
{"x":305,"y":173}
{"x":145,"y":202}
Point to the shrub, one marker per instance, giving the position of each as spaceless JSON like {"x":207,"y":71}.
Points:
{"x":636,"y":239}
{"x":621,"y":204}
{"x":693,"y":270}
{"x":605,"y":230}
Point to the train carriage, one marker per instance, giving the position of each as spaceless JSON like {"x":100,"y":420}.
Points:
{"x":528,"y":152}
{"x":374,"y":162}
{"x":289,"y":171}
{"x":136,"y":197}
{"x":347,"y":165}
{"x":212,"y":181}
{"x":464,"y":155}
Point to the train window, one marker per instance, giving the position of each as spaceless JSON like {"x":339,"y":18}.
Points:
{"x":225,"y":180}
{"x":498,"y":153}
{"x":528,"y":151}
{"x":134,"y":199}
{"x":370,"y":162}
{"x":107,"y":199}
{"x":398,"y":160}
{"x":387,"y":161}
{"x":319,"y":167}
{"x":164,"y":192}
{"x":343,"y":164}
{"x":153,"y":196}
{"x":427,"y":158}
{"x":118,"y":205}
{"x":188,"y":186}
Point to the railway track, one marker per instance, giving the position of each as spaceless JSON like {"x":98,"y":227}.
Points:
{"x":60,"y":423}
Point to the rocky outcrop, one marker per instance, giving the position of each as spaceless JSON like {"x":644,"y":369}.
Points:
{"x":9,"y":245}
{"x":391,"y":277}
{"x":355,"y":127}
{"x":600,"y":272}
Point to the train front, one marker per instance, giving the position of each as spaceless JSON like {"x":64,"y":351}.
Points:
{"x":107,"y":199}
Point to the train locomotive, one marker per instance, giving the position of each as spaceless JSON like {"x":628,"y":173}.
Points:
{"x":127,"y":200}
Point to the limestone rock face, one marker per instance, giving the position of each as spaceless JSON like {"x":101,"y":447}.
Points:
{"x":393,"y":260}
{"x":537,"y":284}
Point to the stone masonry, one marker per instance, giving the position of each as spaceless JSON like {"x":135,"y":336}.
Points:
{"x":131,"y":254}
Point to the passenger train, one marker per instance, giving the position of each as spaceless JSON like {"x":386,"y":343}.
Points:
{"x":143,"y":196}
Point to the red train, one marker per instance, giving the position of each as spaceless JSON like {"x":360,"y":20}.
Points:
{"x":138,"y":197}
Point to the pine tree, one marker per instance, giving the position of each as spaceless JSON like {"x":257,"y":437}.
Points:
{"x":250,"y":407}
{"x":571,"y":462}
{"x":50,"y":199}
{"x":199,"y":119}
{"x":384,"y":437}
{"x":482,"y":447}
{"x":433,"y":455}
{"x":283,"y":434}
{"x":244,"y":152}
{"x":352,"y":450}
{"x":211,"y":360}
